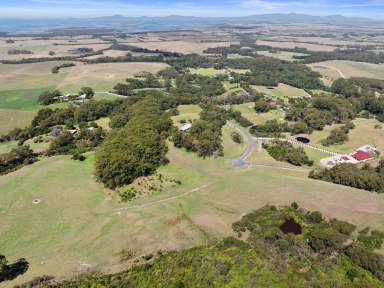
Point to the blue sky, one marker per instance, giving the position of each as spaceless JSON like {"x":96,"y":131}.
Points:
{"x":92,"y":8}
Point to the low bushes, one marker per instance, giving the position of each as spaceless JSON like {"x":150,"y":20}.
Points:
{"x":284,"y":151}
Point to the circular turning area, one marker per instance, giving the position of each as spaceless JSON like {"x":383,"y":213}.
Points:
{"x":302,"y":139}
{"x":290,"y":226}
{"x":36,"y":201}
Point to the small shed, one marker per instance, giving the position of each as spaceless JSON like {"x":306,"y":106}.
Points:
{"x":185,"y":127}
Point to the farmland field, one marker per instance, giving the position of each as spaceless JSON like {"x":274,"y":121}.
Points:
{"x":282,"y":91}
{"x":181,"y":46}
{"x":11,"y":118}
{"x":329,"y":69}
{"x":56,"y":215}
{"x":29,"y":76}
{"x":41,"y":48}
{"x":21,"y":99}
{"x":282,"y":55}
{"x":206,"y":71}
{"x":102,"y":77}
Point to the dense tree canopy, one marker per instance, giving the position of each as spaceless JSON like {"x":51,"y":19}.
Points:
{"x":137,"y":149}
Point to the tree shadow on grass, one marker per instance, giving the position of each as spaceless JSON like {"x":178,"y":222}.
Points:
{"x":14,"y":270}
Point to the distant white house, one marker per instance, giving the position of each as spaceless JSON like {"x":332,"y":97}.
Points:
{"x":72,"y":131}
{"x":185,"y":127}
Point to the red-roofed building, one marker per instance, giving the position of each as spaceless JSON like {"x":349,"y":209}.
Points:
{"x":345,"y":158}
{"x":362,"y":156}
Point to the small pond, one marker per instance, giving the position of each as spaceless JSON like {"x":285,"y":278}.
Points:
{"x":290,"y":226}
{"x":304,"y":140}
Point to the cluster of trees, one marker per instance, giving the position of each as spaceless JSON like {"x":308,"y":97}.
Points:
{"x":128,"y":58}
{"x":262,"y":105}
{"x":238,"y":117}
{"x":285,"y":151}
{"x":82,"y":50}
{"x":138,"y":148}
{"x":197,"y":88}
{"x":204,"y":137}
{"x":236,"y":137}
{"x":325,"y":255}
{"x":271,"y":128}
{"x":365,"y":93}
{"x":317,"y":112}
{"x":57,"y":68}
{"x":270,"y":71}
{"x":357,"y":54}
{"x":47,"y":118}
{"x":367,"y":177}
{"x":235,"y":98}
{"x":86,"y":138}
{"x":191,"y":61}
{"x":50,"y":97}
{"x":127,"y":89}
{"x":123,"y":47}
{"x":58,"y":58}
{"x":338,"y":135}
{"x":17,"y":158}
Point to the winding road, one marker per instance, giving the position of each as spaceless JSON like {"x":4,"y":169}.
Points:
{"x":337,"y":70}
{"x":241,"y":161}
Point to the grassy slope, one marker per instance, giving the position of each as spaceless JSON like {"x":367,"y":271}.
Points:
{"x":26,"y":99}
{"x":349,"y":69}
{"x":75,"y":223}
{"x":364,"y":133}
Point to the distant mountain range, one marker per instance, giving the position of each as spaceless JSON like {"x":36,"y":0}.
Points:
{"x":172,"y":22}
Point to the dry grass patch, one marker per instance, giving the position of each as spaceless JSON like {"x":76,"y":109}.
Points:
{"x":292,"y":92}
{"x":248,"y":111}
{"x":29,"y":76}
{"x":11,"y":119}
{"x":185,"y":47}
{"x":102,"y":77}
{"x":186,"y":113}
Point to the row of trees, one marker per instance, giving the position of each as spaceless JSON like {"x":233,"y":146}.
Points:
{"x":17,"y":158}
{"x":367,"y":178}
{"x":57,"y":68}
